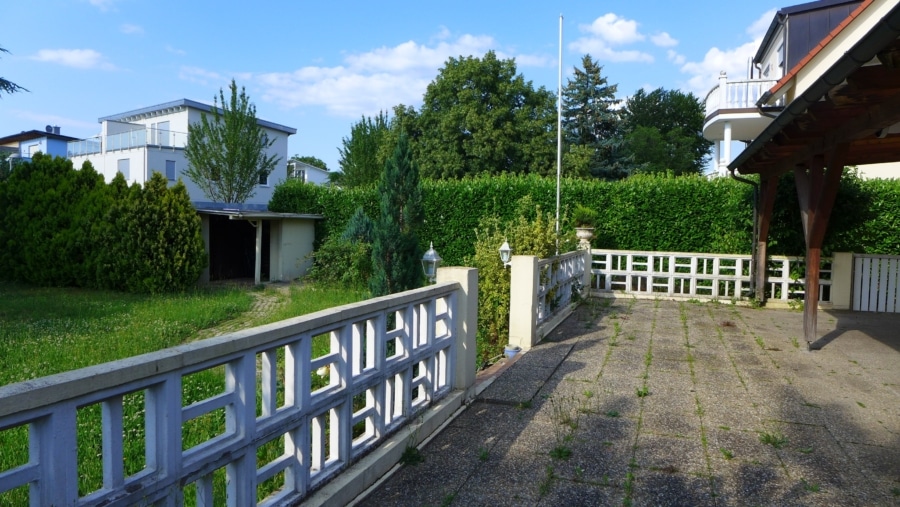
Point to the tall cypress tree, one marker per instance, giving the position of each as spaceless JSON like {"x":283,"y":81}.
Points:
{"x":396,"y":255}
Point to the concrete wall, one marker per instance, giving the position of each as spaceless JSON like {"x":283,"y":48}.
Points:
{"x":291,"y":242}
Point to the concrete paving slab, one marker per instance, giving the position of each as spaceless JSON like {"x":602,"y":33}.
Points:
{"x":838,"y":409}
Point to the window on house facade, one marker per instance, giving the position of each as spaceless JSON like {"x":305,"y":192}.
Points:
{"x":781,"y":55}
{"x":170,"y":170}
{"x":159,"y":134}
{"x":264,"y":179}
{"x":122,"y":166}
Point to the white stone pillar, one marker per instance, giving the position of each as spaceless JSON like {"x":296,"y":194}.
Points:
{"x":523,"y":301}
{"x":841,"y":280}
{"x":466,"y":324}
{"x":726,"y":146}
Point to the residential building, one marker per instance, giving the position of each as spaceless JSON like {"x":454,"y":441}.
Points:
{"x":137,"y":143}
{"x":735,"y":110}
{"x":307,"y":173}
{"x":26,"y":143}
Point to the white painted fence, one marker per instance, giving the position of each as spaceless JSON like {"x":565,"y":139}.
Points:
{"x":742,"y":94}
{"x":560,"y":277}
{"x":541,"y":294}
{"x":388,"y":359}
{"x":876,"y":283}
{"x":698,"y":275}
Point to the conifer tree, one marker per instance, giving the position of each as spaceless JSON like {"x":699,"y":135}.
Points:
{"x":396,"y":255}
{"x":591,"y":126}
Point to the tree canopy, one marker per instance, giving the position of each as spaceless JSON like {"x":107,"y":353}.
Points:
{"x":480,"y":117}
{"x":665,"y":131}
{"x":227,"y":157}
{"x":362,"y":154}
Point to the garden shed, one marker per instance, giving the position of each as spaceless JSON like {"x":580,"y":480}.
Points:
{"x":262,"y":245}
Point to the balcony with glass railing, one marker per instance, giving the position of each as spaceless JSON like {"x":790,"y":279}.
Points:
{"x":137,"y":138}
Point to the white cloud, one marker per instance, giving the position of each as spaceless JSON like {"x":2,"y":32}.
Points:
{"x":609,"y":31}
{"x":664,"y":40}
{"x":675,"y":57}
{"x":176,"y":51}
{"x":600,"y":50}
{"x":704,"y":74}
{"x":376,"y":80}
{"x":759,"y":27}
{"x":128,"y":28}
{"x":78,"y":58}
{"x":613,"y":29}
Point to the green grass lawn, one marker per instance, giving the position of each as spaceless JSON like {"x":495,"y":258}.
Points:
{"x":51,"y":330}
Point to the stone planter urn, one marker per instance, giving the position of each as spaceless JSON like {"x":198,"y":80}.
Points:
{"x":584,"y":235}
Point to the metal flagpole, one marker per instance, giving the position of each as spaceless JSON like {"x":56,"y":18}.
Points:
{"x":559,"y":130}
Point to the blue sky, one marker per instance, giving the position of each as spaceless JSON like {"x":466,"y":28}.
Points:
{"x":320,"y":66}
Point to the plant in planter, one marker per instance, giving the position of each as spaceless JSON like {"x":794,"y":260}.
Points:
{"x":584,"y":217}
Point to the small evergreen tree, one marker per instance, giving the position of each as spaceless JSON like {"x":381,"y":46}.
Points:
{"x":396,"y":254}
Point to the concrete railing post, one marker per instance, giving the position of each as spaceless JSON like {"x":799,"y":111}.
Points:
{"x":523,"y":301}
{"x":586,"y":280}
{"x":467,"y":324}
{"x":841,"y":280}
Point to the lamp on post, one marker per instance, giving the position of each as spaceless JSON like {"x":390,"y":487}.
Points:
{"x":430,"y":262}
{"x":505,"y":253}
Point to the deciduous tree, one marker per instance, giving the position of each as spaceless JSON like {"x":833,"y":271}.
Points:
{"x":665,"y":131}
{"x":228,"y":156}
{"x":362,"y":158}
{"x":480,"y":117}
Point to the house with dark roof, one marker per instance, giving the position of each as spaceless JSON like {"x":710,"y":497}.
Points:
{"x":26,"y":143}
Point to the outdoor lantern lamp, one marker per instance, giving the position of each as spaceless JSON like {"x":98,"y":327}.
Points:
{"x":430,"y":262}
{"x":505,"y":252}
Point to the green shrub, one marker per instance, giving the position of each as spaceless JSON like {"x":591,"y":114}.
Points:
{"x":65,"y":227}
{"x":532,"y":233}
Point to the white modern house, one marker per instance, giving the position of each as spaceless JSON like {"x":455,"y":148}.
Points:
{"x":307,"y":173}
{"x":734,"y":110}
{"x":136,"y":143}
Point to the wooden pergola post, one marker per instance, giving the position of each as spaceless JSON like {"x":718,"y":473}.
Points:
{"x":767,"y":189}
{"x":816,"y":191}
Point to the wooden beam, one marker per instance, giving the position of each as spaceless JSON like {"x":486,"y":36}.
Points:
{"x":767,"y":190}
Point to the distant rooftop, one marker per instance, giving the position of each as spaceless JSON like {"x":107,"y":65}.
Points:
{"x":177,"y":105}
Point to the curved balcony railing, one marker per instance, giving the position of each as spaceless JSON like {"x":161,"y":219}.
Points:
{"x":737,"y":94}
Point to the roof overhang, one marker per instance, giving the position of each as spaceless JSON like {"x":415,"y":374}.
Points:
{"x":179,"y":105}
{"x":846,"y":91}
{"x":257,"y":215}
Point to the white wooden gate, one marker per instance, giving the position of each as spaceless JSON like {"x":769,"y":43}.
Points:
{"x":876,"y":283}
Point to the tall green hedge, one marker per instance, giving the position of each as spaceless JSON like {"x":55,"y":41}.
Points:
{"x":65,"y":227}
{"x":645,"y":212}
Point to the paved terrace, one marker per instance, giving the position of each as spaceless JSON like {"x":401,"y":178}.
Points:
{"x":719,"y":379}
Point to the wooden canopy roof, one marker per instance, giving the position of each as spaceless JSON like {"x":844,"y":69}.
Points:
{"x":852,"y":104}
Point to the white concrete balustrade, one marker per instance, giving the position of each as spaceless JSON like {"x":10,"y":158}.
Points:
{"x":699,"y":275}
{"x":388,"y":360}
{"x":542,"y":294}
